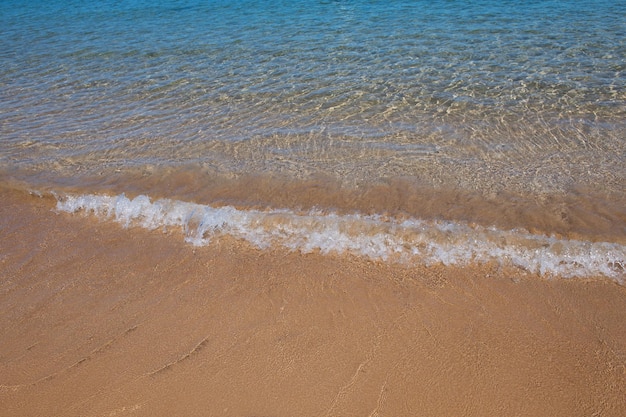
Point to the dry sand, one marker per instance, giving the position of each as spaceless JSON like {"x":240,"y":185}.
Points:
{"x":96,"y":320}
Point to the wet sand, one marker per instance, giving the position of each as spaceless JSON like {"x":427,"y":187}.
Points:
{"x":97,"y":320}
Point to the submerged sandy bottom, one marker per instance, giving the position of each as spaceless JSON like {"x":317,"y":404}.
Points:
{"x":97,"y":320}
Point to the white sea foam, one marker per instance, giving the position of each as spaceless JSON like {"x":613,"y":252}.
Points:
{"x":373,"y":237}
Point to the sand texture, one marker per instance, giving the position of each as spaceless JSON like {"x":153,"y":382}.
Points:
{"x":97,"y":320}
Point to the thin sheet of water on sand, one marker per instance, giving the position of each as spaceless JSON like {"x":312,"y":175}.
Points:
{"x":101,"y":320}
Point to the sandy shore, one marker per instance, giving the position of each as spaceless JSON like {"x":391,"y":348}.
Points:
{"x":96,"y":320}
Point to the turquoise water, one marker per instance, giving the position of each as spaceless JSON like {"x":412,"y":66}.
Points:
{"x":160,"y":82}
{"x":521,"y":108}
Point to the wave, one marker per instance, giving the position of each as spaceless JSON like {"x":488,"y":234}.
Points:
{"x":375,"y":237}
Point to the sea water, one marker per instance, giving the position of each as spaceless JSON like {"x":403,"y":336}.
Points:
{"x":429,"y":131}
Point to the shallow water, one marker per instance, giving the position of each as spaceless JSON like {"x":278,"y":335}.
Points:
{"x":492,"y":114}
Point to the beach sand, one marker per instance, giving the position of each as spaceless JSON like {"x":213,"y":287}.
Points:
{"x":98,"y":320}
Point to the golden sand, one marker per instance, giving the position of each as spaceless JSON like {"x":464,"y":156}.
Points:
{"x":97,"y":320}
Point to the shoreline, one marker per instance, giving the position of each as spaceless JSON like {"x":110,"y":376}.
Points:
{"x":579,"y":213}
{"x":101,"y":320}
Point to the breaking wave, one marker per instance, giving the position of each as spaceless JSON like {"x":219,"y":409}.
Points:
{"x":375,"y":237}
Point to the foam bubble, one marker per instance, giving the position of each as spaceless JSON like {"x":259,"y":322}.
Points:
{"x":373,"y":237}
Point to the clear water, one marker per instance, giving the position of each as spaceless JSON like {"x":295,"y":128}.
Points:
{"x":128,"y":83}
{"x":523,"y":105}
